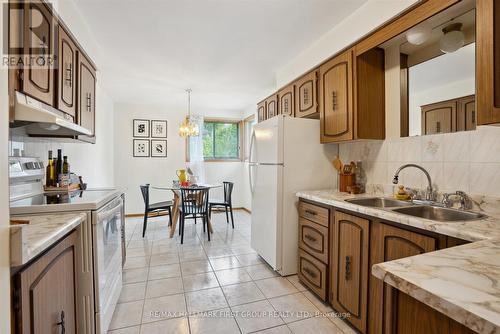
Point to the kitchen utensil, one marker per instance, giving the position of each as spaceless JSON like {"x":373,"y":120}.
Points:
{"x":347,"y":169}
{"x":337,"y":163}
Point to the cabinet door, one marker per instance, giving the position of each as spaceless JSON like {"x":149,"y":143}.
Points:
{"x":66,"y":100}
{"x":488,"y":61}
{"x":286,"y":98}
{"x":349,"y":269}
{"x":336,"y":104}
{"x":38,"y":78}
{"x":466,"y":113}
{"x":47,"y":291}
{"x":261,"y":111}
{"x":306,"y":102}
{"x":391,"y":243}
{"x":272,"y":106}
{"x":86,"y":94}
{"x":439,"y":117}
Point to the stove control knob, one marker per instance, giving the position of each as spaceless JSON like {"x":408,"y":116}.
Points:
{"x":40,"y":165}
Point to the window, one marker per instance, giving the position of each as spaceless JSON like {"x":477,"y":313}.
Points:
{"x":221,"y":140}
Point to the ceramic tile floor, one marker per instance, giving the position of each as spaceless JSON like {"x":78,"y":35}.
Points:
{"x":221,"y":286}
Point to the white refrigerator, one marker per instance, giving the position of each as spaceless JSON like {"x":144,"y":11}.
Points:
{"x":285,"y":157}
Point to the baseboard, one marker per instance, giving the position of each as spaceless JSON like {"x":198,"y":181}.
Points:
{"x":132,"y":215}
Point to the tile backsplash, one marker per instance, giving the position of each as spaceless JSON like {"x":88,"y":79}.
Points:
{"x":468,"y":161}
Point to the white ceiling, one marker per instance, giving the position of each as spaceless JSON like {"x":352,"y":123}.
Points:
{"x":227,"y":51}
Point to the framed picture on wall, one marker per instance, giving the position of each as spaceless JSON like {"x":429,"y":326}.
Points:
{"x":141,"y":128}
{"x":158,"y":129}
{"x":141,"y":147}
{"x":158,"y":148}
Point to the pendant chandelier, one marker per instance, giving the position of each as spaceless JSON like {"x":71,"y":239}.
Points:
{"x":187,"y":127}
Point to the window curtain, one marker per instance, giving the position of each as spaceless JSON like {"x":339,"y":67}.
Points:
{"x":196,"y":161}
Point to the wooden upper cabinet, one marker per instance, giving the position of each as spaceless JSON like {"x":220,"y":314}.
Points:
{"x":46,"y":291}
{"x":336,"y":103}
{"x":86,"y":93}
{"x":38,"y":31}
{"x":306,"y":100}
{"x":286,"y":98}
{"x":391,"y":243}
{"x":349,"y":268}
{"x":439,"y":117}
{"x":488,"y":61}
{"x":66,"y":78}
{"x":272,"y":106}
{"x":261,"y":111}
{"x":466,"y":113}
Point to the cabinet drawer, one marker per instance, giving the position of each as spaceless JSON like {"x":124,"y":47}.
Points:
{"x":313,"y":238}
{"x":313,"y":274}
{"x":314,"y":213}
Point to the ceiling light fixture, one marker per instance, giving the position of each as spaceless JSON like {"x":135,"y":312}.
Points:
{"x":419,"y":34}
{"x":453,"y":38}
{"x":187,"y":127}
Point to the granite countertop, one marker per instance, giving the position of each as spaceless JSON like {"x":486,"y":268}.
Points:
{"x":28,"y":241}
{"x":462,"y":282}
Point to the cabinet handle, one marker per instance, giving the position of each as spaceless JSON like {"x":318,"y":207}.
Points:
{"x":334,"y":100}
{"x":309,"y":212}
{"x":309,"y":237}
{"x":89,"y":101}
{"x":306,"y":96}
{"x":69,"y":74}
{"x":347,"y":268}
{"x":438,"y":127}
{"x":473,"y":117}
{"x":62,"y":323}
{"x":309,"y":272}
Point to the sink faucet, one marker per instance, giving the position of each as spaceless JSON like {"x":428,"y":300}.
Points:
{"x":429,"y":194}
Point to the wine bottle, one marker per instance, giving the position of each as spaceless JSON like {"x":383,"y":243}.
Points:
{"x":59,"y":165}
{"x":65,"y":168}
{"x":48,"y":174}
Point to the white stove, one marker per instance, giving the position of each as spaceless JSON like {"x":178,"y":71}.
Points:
{"x":102,"y":236}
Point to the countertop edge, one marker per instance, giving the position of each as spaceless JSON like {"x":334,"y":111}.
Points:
{"x":444,"y":306}
{"x":22,"y":255}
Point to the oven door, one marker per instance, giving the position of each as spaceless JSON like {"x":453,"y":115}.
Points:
{"x":107,"y":251}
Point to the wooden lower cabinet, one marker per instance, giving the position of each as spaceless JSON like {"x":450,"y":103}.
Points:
{"x":391,"y":243}
{"x":414,"y":317}
{"x":349,"y":268}
{"x":313,"y":273}
{"x":45,"y":301}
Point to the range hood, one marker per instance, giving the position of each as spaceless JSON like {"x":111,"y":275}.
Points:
{"x":38,"y":119}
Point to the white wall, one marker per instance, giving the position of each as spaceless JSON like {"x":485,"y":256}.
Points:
{"x":130,"y":172}
{"x":367,"y":18}
{"x":4,"y":199}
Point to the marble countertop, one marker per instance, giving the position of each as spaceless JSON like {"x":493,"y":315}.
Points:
{"x":462,"y":282}
{"x":28,"y":241}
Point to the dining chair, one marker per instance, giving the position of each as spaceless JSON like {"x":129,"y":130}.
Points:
{"x":153,"y":207}
{"x":227,"y":203}
{"x":194,"y":204}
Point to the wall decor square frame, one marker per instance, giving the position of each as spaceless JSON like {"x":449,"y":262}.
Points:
{"x":136,"y":128}
{"x":159,"y":125}
{"x":155,"y":153}
{"x":138,"y":152}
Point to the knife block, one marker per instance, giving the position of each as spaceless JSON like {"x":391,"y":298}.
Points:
{"x":346,"y":180}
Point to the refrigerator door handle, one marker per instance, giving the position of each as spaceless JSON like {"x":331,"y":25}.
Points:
{"x":250,"y":160}
{"x":250,"y":179}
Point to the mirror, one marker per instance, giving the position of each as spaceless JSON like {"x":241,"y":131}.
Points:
{"x":430,"y":74}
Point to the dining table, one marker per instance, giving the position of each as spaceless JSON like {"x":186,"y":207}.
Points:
{"x":176,"y":190}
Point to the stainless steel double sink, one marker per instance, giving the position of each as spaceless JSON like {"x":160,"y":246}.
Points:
{"x":431,"y":212}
